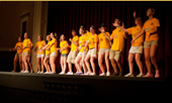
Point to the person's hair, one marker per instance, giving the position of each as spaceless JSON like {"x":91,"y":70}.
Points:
{"x":102,"y":25}
{"x":153,"y":10}
{"x":92,"y":27}
{"x":73,"y":30}
{"x":61,"y":37}
{"x":55,"y":34}
{"x":83,"y":28}
{"x":41,"y":37}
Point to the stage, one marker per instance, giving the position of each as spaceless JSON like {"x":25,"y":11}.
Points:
{"x":40,"y":88}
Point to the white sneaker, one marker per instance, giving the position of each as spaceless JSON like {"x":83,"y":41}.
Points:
{"x":69,"y":73}
{"x":46,"y":72}
{"x":92,"y":74}
{"x":102,"y":74}
{"x":107,"y":73}
{"x":62,"y":73}
{"x":41,"y":72}
{"x":52,"y":73}
{"x":38,"y":72}
{"x":129,"y":75}
{"x":140,"y":75}
{"x":26,"y":71}
{"x":21,"y":71}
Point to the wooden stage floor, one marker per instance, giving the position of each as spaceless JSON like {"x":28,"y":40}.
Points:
{"x":45,"y":88}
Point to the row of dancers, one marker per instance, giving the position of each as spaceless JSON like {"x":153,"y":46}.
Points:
{"x":89,"y":46}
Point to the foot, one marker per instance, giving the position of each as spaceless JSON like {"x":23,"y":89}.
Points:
{"x":148,"y":75}
{"x":140,"y":75}
{"x":62,"y":73}
{"x":107,"y":73}
{"x":26,"y":71}
{"x":129,"y":75}
{"x":102,"y":74}
{"x":13,"y":71}
{"x":69,"y":73}
{"x":115,"y":74}
{"x":21,"y":71}
{"x":41,"y":72}
{"x":157,"y":74}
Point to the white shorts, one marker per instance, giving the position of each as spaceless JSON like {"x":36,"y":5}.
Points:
{"x":53,"y":54}
{"x":47,"y":56}
{"x":103,"y":51}
{"x":91,"y":52}
{"x":136,"y":49}
{"x":40,"y":55}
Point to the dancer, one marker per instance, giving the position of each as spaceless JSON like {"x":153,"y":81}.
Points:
{"x":81,"y":55}
{"x":117,"y":48}
{"x":18,"y":56}
{"x":136,"y":49}
{"x":52,"y":45}
{"x":73,"y":52}
{"x":104,"y":46}
{"x":47,"y":56}
{"x":27,"y":47}
{"x":151,"y":27}
{"x":40,"y":55}
{"x":64,"y":52}
{"x":92,"y":40}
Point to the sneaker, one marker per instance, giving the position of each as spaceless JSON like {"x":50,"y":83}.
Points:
{"x":102,"y":74}
{"x":140,"y":75}
{"x":86,"y":73}
{"x":79,"y":73}
{"x":52,"y":73}
{"x":92,"y":74}
{"x":26,"y":71}
{"x":38,"y":72}
{"x":69,"y":73}
{"x":107,"y":73}
{"x":21,"y":71}
{"x":157,"y":74}
{"x":41,"y":72}
{"x":62,"y":73}
{"x":46,"y":72}
{"x":148,"y":75}
{"x":129,"y":75}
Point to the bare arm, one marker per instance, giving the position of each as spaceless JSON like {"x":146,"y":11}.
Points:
{"x":141,"y":33}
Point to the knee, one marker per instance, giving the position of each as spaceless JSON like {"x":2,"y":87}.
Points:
{"x":91,"y":60}
{"x":85,"y":60}
{"x":100,"y":61}
{"x":147,"y":58}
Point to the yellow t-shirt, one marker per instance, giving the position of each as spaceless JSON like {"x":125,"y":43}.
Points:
{"x":54,"y":46}
{"x":134,"y":31}
{"x":92,"y":40}
{"x":73,"y":46}
{"x":64,"y":44}
{"x":82,"y":41}
{"x":149,"y":27}
{"x":104,"y":43}
{"x":47,"y":52}
{"x":118,"y":40}
{"x":19,"y":46}
{"x":39,"y":46}
{"x":26,"y":43}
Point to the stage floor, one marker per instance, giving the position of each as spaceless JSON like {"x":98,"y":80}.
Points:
{"x":33,"y":87}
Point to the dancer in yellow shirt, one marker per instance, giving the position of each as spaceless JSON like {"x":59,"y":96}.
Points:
{"x":136,"y":49}
{"x":150,"y":27}
{"x":40,"y":55}
{"x":104,"y":47}
{"x":18,"y":56}
{"x":81,"y":55}
{"x":27,"y":47}
{"x":117,"y":48}
{"x":73,"y":52}
{"x":64,"y":52}
{"x":91,"y":42}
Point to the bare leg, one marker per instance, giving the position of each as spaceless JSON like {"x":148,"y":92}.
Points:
{"x":107,"y":61}
{"x":20,"y":62}
{"x":38,"y":64}
{"x":16,"y":58}
{"x":52,"y":63}
{"x":93,"y":65}
{"x":153,"y":50}
{"x":100,"y":62}
{"x":28,"y":60}
{"x":42,"y":64}
{"x":113,"y":63}
{"x":77,"y":63}
{"x":147,"y":59}
{"x":65,"y":63}
{"x":138,"y":61}
{"x":130,"y":60}
{"x":87,"y":62}
{"x":25,"y":63}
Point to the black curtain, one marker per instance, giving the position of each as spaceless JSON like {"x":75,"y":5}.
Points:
{"x":65,"y":16}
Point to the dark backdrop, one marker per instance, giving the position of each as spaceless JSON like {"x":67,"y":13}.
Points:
{"x":65,"y":16}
